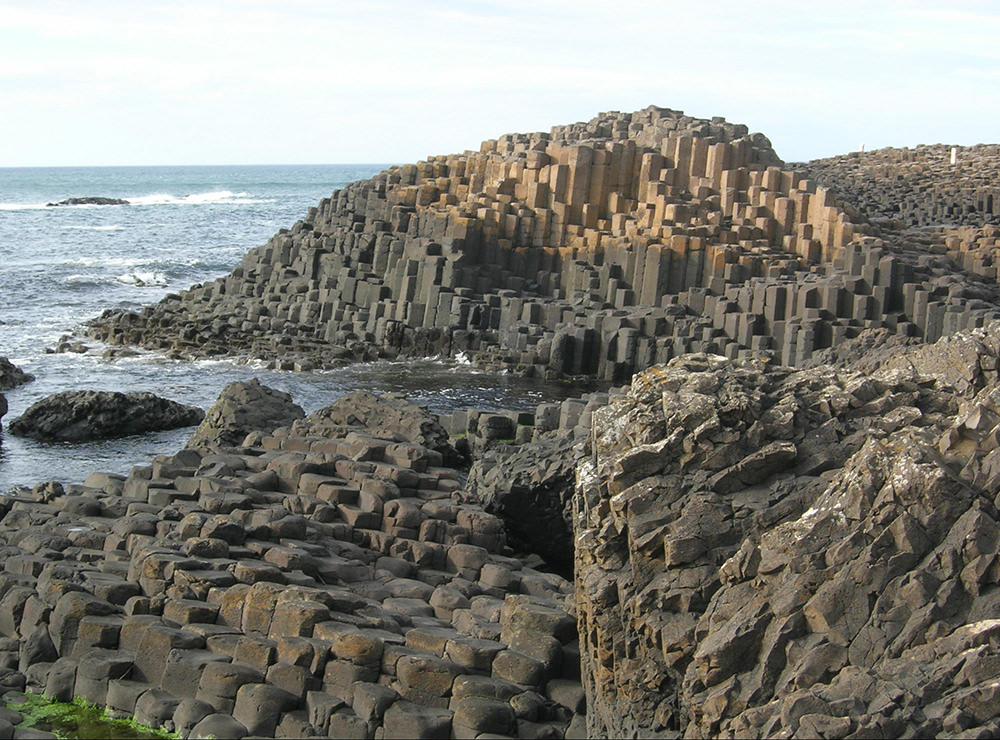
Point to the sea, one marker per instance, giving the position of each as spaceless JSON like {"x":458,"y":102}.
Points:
{"x":62,"y":265}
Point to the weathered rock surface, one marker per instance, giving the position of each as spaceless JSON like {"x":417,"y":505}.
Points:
{"x":74,"y":416}
{"x":385,"y":415}
{"x":308,"y":585}
{"x":243,"y":407}
{"x":769,"y":552}
{"x":90,"y":200}
{"x":11,"y":375}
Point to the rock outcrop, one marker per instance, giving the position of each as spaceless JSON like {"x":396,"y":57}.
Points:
{"x":243,"y":407}
{"x":90,"y":200}
{"x":76,"y":416}
{"x":11,"y":375}
{"x":303,"y":585}
{"x":597,"y":249}
{"x":764,"y":551}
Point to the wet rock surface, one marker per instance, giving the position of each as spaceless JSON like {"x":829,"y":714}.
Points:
{"x":769,"y":552}
{"x":244,"y":407}
{"x":73,"y":416}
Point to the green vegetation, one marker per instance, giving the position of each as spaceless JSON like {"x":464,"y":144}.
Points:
{"x":80,"y":719}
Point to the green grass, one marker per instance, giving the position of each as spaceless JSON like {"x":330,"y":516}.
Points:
{"x":81,"y":719}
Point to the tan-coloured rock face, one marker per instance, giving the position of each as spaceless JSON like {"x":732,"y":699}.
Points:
{"x":768,"y":552}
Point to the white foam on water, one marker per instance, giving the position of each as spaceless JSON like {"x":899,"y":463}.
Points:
{"x":21,"y":206}
{"x":143,"y":278}
{"x":209,"y":198}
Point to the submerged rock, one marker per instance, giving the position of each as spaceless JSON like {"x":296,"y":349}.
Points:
{"x":244,"y":407}
{"x":11,"y":375}
{"x":77,"y":416}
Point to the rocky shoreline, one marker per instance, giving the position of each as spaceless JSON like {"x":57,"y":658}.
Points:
{"x":781,"y":522}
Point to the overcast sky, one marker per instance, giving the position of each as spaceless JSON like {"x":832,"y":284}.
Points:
{"x":120,"y":82}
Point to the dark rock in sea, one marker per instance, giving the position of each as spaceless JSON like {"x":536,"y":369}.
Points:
{"x":244,"y":407}
{"x":530,"y":487}
{"x":76,"y":416}
{"x":3,"y":407}
{"x":90,"y":201}
{"x":11,"y":375}
{"x":388,"y":416}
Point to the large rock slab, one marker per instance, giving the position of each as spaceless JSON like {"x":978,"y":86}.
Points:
{"x":244,"y":407}
{"x":76,"y":416}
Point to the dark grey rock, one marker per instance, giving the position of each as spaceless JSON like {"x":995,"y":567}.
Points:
{"x":76,"y":416}
{"x":244,"y":407}
{"x":90,"y":201}
{"x":11,"y":375}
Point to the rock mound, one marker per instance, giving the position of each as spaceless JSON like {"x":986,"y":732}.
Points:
{"x":90,"y":201}
{"x":244,"y":407}
{"x":764,"y":551}
{"x":386,"y":416}
{"x":11,"y":375}
{"x":77,"y":416}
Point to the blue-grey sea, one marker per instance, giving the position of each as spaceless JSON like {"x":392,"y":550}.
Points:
{"x":60,"y":266}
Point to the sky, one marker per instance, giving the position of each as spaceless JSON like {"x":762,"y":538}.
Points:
{"x":119,"y":82}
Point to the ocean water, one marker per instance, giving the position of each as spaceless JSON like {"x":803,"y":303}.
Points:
{"x":60,"y":266}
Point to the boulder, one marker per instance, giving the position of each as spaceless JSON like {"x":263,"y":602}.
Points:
{"x":11,"y":375}
{"x":385,"y":416}
{"x":244,"y":407}
{"x":76,"y":416}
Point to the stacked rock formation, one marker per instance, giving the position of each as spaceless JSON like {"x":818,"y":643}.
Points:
{"x":325,"y":584}
{"x":919,"y":186}
{"x":598,"y":249}
{"x":764,"y":551}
